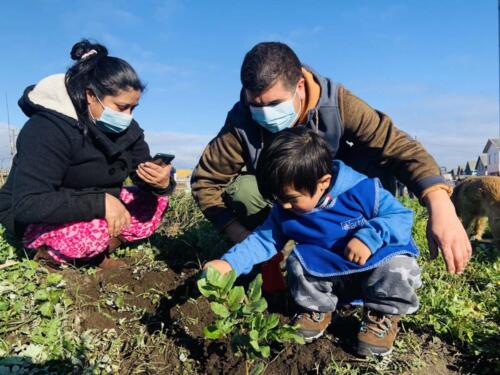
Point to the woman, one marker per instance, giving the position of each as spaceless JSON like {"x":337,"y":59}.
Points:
{"x":64,"y":196}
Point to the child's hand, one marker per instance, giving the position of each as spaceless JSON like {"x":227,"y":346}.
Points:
{"x":220,"y":265}
{"x":356,"y":251}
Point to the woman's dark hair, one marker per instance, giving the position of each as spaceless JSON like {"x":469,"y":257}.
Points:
{"x":267,"y":62}
{"x":96,"y":71}
{"x":298,"y":158}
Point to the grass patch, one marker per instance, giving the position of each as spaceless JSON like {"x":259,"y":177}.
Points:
{"x":87,"y":322}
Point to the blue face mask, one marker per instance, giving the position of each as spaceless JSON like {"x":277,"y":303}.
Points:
{"x":276,"y":117}
{"x":112,"y":121}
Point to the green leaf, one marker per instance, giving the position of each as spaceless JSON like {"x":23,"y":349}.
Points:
{"x":258,"y":369}
{"x":254,"y":335}
{"x":206,"y":289}
{"x":228,"y":281}
{"x":272,"y":321}
{"x":47,"y":309}
{"x":54,"y":279}
{"x":212,"y":276}
{"x":4,"y":305}
{"x":235,"y":297}
{"x":219,"y":309}
{"x":265,"y":351}
{"x":255,"y":345}
{"x":41,"y":295}
{"x":119,"y":302}
{"x":227,"y":326}
{"x":254,"y":289}
{"x":30,"y":287}
{"x":55,"y":295}
{"x":211,"y":332}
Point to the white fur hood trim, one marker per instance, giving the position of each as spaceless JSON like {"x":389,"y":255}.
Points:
{"x":51,"y":93}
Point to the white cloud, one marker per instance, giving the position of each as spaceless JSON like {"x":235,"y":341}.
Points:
{"x":454,"y":128}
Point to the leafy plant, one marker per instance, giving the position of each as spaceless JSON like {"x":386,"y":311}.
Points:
{"x":7,"y":250}
{"x":242,"y":316}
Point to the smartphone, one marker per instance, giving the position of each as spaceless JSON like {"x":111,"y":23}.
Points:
{"x":166,"y":158}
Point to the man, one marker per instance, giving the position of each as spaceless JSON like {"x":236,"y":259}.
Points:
{"x":278,"y":92}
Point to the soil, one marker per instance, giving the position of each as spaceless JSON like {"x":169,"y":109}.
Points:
{"x":181,"y":313}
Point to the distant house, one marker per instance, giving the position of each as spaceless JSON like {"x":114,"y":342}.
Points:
{"x":482,"y":165}
{"x":492,"y":148}
{"x":448,"y":177}
{"x":470,"y":168}
{"x":453,"y":173}
{"x":183,"y":177}
{"x":461,"y":171}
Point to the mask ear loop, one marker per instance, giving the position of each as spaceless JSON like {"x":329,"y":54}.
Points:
{"x":90,"y":112}
{"x":299,"y":111}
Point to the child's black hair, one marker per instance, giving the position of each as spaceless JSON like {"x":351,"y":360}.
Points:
{"x":102,"y":74}
{"x":298,"y":158}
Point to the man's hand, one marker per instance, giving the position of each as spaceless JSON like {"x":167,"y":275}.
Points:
{"x":117,"y":215}
{"x":155,"y":173}
{"x":445,"y":231}
{"x":356,"y":251}
{"x":220,"y":265}
{"x":236,"y":232}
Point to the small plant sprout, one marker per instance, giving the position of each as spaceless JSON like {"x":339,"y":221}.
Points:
{"x":242,"y":317}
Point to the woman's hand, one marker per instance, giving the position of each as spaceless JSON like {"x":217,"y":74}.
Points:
{"x":155,"y":173}
{"x":117,"y":215}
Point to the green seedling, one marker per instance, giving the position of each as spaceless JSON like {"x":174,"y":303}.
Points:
{"x":242,"y":317}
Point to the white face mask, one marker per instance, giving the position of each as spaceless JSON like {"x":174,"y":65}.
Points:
{"x":112,"y":121}
{"x":276,"y":117}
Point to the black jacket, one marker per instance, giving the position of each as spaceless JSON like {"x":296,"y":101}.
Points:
{"x":60,"y":175}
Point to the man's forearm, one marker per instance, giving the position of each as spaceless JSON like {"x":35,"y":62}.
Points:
{"x":434,"y":199}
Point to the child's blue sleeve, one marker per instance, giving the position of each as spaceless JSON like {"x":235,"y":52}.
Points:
{"x":258,"y":247}
{"x":391,"y":225}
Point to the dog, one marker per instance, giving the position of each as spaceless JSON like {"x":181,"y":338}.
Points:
{"x":477,"y":201}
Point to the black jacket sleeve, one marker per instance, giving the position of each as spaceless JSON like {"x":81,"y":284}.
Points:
{"x":43,"y":157}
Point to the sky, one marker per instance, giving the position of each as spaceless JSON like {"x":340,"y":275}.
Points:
{"x":431,"y":65}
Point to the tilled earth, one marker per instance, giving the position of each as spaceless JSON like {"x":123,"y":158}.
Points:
{"x":144,"y":302}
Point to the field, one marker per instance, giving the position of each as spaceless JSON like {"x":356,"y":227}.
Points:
{"x":148,"y":318}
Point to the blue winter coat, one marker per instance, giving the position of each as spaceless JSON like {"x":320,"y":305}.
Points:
{"x":355,"y":206}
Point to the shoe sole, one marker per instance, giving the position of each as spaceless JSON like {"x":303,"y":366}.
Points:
{"x":366,"y":351}
{"x":310,"y":339}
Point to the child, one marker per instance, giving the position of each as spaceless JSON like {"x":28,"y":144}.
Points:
{"x":353,"y":240}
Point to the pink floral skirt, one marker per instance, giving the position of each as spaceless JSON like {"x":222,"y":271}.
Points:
{"x":86,"y":239}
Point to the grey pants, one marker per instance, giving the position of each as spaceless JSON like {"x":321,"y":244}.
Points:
{"x":389,"y":288}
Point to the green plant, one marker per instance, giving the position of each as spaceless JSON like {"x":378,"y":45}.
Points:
{"x":7,"y":250}
{"x":242,"y":316}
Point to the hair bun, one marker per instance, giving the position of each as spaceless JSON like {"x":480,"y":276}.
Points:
{"x":84,"y":46}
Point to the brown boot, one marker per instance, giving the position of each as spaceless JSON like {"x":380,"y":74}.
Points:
{"x":43,"y":258}
{"x":113,"y":244}
{"x":107,"y":263}
{"x":377,"y":333}
{"x":312,"y":324}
